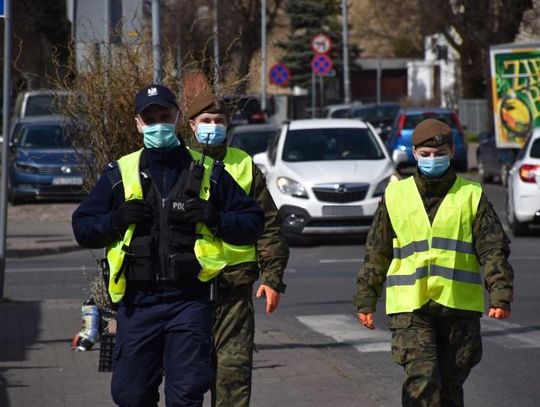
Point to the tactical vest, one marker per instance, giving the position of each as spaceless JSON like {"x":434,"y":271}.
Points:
{"x":164,"y":253}
{"x":433,"y":261}
{"x":240,"y":165}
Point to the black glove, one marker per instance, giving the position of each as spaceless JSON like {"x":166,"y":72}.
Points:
{"x":199,"y":210}
{"x":130,"y":212}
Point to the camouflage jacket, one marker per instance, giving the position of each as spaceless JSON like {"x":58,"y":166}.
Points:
{"x":272,"y":249}
{"x":490,"y":242}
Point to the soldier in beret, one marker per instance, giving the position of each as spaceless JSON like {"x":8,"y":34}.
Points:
{"x":431,"y":236}
{"x":234,"y":326}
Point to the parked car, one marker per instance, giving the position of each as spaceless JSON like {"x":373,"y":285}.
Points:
{"x":43,"y":164}
{"x":492,"y":162}
{"x":380,"y":115}
{"x":245,"y":110}
{"x":523,"y":193}
{"x":326,"y":176}
{"x":339,"y":111}
{"x":252,"y":138}
{"x":400,"y":137}
{"x":42,"y":102}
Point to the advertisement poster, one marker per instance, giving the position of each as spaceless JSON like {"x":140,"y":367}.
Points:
{"x":515,"y":82}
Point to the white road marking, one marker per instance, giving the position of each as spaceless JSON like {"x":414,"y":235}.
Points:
{"x":510,"y":335}
{"x":44,"y":269}
{"x":341,"y":261}
{"x":346,"y":329}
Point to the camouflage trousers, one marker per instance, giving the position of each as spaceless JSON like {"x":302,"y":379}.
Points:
{"x":234,"y":330}
{"x":437,"y":353}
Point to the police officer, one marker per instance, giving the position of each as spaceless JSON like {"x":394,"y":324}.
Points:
{"x":234,"y":325}
{"x":164,"y":214}
{"x":430,"y":236}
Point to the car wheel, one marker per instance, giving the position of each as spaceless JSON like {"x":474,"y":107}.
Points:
{"x":13,"y":199}
{"x":504,"y":175}
{"x":518,"y":228}
{"x":484,"y":176}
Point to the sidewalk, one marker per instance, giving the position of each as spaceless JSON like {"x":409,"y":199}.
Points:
{"x":39,"y":229}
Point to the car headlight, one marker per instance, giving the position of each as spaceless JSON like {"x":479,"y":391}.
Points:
{"x":26,"y":168}
{"x":381,"y":186}
{"x":289,"y":187}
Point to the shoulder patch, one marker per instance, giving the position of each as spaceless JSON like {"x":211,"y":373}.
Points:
{"x":110,"y":166}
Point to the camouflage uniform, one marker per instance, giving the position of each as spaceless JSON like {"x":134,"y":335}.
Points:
{"x":436,"y":345}
{"x":234,"y":325}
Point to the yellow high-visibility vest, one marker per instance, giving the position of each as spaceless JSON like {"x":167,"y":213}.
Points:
{"x":239,"y":164}
{"x":433,"y":261}
{"x":208,"y":249}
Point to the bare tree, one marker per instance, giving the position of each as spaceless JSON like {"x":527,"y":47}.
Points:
{"x":471,"y":26}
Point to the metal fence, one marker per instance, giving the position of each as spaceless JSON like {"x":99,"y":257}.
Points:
{"x":474,"y":115}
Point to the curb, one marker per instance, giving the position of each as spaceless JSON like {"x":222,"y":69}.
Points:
{"x":40,"y":251}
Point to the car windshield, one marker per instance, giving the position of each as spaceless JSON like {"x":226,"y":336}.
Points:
{"x":331,"y":144}
{"x":47,"y":136}
{"x":376,"y":112}
{"x":413,"y":120}
{"x":40,"y":105}
{"x":340,"y":113}
{"x":535,"y":149}
{"x":253,"y":142}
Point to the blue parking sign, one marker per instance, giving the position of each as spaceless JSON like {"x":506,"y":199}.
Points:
{"x":2,"y":8}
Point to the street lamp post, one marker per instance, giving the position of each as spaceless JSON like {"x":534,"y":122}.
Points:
{"x":8,"y":43}
{"x":156,"y":41}
{"x":346,"y":68}
{"x":263,"y":55}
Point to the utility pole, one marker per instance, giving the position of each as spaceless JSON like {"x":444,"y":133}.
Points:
{"x":107,"y":33}
{"x":8,"y":44}
{"x":216,"y":49}
{"x":346,"y":68}
{"x":156,"y":41}
{"x":263,"y":55}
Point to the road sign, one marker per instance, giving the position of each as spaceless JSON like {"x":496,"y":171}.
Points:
{"x":2,"y":8}
{"x":321,"y":64}
{"x":280,"y":75}
{"x":321,"y":43}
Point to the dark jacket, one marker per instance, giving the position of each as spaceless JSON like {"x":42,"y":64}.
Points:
{"x":490,"y":242}
{"x":241,"y":220}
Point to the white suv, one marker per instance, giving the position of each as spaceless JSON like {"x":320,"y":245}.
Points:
{"x":523,"y":195}
{"x":326,"y":176}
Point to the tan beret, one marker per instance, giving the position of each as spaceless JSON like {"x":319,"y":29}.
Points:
{"x":205,"y":102}
{"x":432,"y":133}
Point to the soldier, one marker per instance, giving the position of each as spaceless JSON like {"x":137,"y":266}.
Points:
{"x":430,"y":236}
{"x":234,"y":325}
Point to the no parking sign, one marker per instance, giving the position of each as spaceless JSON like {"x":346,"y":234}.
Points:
{"x":321,"y":64}
{"x":280,"y":75}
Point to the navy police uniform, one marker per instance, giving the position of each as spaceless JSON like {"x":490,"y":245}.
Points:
{"x":165,"y":321}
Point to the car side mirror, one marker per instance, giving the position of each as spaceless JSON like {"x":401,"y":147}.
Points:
{"x":261,"y":161}
{"x":399,"y":156}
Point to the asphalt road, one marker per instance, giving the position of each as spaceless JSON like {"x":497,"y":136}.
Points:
{"x":316,"y":312}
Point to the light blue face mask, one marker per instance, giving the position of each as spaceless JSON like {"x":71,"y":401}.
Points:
{"x":211,"y":133}
{"x":160,"y":135}
{"x":434,"y":167}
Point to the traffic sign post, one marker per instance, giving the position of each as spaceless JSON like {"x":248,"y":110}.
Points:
{"x":280,"y":75}
{"x":322,"y":64}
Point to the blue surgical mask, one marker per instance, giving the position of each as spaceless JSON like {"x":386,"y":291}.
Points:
{"x":210,"y":133}
{"x":434,"y":167}
{"x":160,"y":135}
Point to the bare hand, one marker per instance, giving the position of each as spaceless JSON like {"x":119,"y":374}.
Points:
{"x":499,"y":313}
{"x":272,"y":297}
{"x":366,"y":319}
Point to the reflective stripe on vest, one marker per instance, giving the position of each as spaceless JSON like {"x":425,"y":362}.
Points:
{"x":240,"y":165}
{"x":433,"y":261}
{"x":208,"y":249}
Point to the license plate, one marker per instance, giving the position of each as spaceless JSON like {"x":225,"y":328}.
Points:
{"x":67,"y":181}
{"x":342,"y":210}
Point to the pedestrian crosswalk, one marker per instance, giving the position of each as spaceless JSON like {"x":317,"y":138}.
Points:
{"x":346,"y":329}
